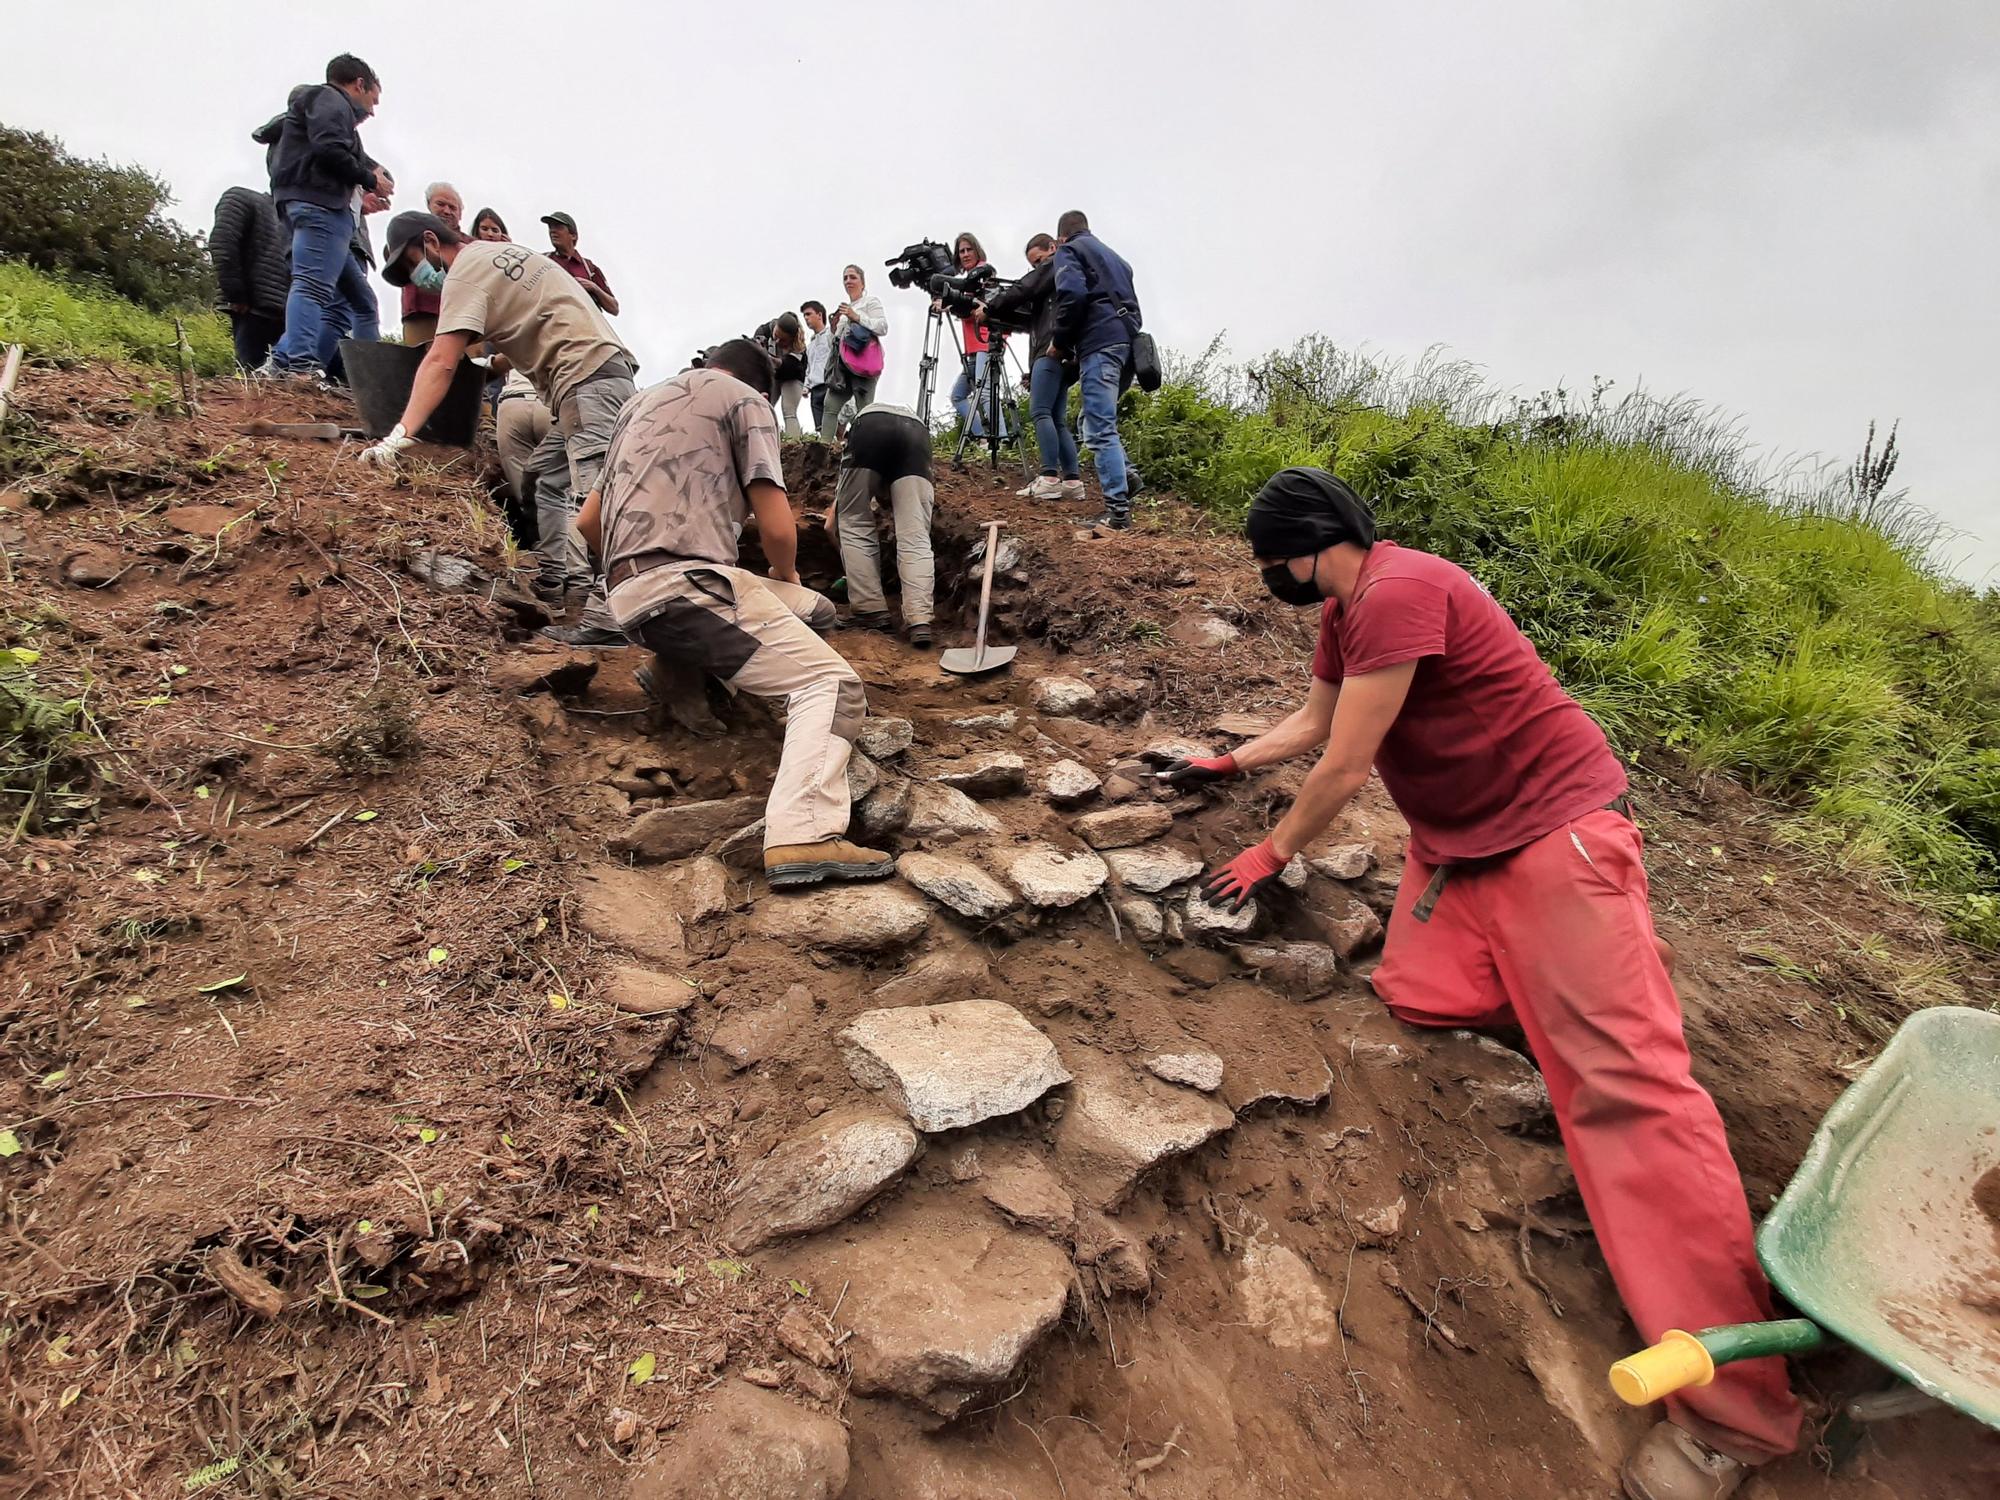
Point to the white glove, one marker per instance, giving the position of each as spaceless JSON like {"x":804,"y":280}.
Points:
{"x":383,"y":455}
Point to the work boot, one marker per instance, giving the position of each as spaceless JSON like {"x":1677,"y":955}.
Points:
{"x":1671,"y":1463}
{"x":872,"y":619}
{"x":920,"y":635}
{"x":1111,"y":520}
{"x":585,"y":635}
{"x":830,"y":859}
{"x":1072,"y":489}
{"x":1043,"y":487}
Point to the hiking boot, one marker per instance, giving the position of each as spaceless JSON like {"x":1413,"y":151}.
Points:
{"x":585,"y":635}
{"x":920,"y":636}
{"x":874,"y":619}
{"x":830,"y":859}
{"x":1111,"y":520}
{"x":1072,"y":489}
{"x":1045,"y":487}
{"x":1671,"y":1463}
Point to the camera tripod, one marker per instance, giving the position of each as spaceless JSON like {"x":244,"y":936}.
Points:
{"x":990,"y":405}
{"x":927,"y":366}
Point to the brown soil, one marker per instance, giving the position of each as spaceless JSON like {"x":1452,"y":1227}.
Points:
{"x":414,"y":1118}
{"x":1986,"y":1195}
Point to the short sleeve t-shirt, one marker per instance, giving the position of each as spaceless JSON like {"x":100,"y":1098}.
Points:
{"x":528,"y":308}
{"x":677,"y":474}
{"x":1488,"y":753}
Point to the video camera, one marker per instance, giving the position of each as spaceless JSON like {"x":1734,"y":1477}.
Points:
{"x":960,"y":294}
{"x":919,"y":265}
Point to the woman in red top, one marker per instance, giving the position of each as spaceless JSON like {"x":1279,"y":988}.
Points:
{"x":976,"y":341}
{"x":1523,"y":901}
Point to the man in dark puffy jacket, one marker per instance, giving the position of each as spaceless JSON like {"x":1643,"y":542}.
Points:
{"x":253,"y":266}
{"x":1096,"y":318}
{"x":318,"y":174}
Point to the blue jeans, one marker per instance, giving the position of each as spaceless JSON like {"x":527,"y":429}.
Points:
{"x":1103,"y":374}
{"x":971,"y":383}
{"x":1048,"y":403}
{"x":330,"y":292}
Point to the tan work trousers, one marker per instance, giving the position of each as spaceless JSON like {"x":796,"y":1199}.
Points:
{"x":910,"y":501}
{"x":519,"y":425}
{"x":755,"y":634}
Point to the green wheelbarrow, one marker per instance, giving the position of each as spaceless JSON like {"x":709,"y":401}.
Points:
{"x":1888,"y":1238}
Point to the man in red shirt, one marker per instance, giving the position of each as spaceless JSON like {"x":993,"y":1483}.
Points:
{"x":562,"y":250}
{"x":1523,"y":900}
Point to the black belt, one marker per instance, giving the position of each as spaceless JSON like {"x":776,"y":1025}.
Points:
{"x":1427,"y":902}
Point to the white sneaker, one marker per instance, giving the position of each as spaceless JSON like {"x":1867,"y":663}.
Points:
{"x":1045,"y":487}
{"x":1072,"y":489}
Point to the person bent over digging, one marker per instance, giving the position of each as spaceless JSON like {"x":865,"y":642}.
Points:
{"x":1523,"y":900}
{"x":690,"y":461}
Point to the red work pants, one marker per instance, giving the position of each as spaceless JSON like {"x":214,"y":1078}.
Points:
{"x":1558,"y":937}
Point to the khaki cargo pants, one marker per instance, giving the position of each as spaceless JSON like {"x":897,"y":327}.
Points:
{"x":565,"y":468}
{"x":756,"y":635}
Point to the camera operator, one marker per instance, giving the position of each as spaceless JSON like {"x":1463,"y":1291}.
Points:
{"x":1096,"y":318}
{"x":1032,"y":300}
{"x":856,"y":323}
{"x":970,"y":256}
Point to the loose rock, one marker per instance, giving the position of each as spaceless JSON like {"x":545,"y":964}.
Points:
{"x":951,"y":1065}
{"x":1118,"y":1259}
{"x":1062,"y":696}
{"x":1202,"y":630}
{"x":1028,"y":1193}
{"x":1067,"y":783}
{"x":750,"y":1442}
{"x":561,"y":672}
{"x":1198,"y":1070}
{"x":1121,"y":827}
{"x":1283,"y":1298}
{"x":1151,"y":867}
{"x":1000,"y":773}
{"x":951,"y":973}
{"x":747,"y":1034}
{"x":936,"y":810}
{"x":92,"y":567}
{"x":1000,"y":723}
{"x":642,"y":992}
{"x":885,"y":810}
{"x":628,"y":909}
{"x":1207,"y":920}
{"x":848,"y":919}
{"x":1345,"y":861}
{"x":1305,"y":970}
{"x":1120,"y":1123}
{"x":670,"y":833}
{"x":817,"y":1179}
{"x":1509,"y":1089}
{"x":863,"y":776}
{"x":1141,"y":918}
{"x":800,"y":1335}
{"x":1293,"y":876}
{"x":1350,"y":928}
{"x":958,"y":884}
{"x":880,"y":739}
{"x":1049,"y":878}
{"x":1386,"y":1222}
{"x":700,"y":890}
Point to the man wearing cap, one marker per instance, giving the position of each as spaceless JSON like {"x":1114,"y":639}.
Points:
{"x":522,"y":305}
{"x":590,"y":275}
{"x":1523,"y":901}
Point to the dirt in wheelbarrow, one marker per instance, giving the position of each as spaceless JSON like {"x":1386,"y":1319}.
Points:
{"x":334,"y":1168}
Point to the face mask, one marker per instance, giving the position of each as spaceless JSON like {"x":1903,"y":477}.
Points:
{"x":1289,"y":590}
{"x":427,"y":277}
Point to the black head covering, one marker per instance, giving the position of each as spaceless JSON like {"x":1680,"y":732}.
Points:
{"x":1300,"y":512}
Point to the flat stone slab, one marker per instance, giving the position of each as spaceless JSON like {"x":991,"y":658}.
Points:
{"x":542,"y":671}
{"x":957,"y":972}
{"x":699,"y":890}
{"x":1068,"y":782}
{"x":1151,"y":867}
{"x":942,"y":1313}
{"x":849,"y":919}
{"x":1141,"y":918}
{"x":880,"y":739}
{"x":952,"y":1065}
{"x":1305,"y":970}
{"x":670,"y":833}
{"x":1350,"y":927}
{"x":938,"y":810}
{"x":629,"y":909}
{"x":1283,"y":1298}
{"x":749,"y":1442}
{"x":1198,"y":1070}
{"x":1122,"y":826}
{"x":645,"y":992}
{"x":1119,"y":1123}
{"x":999,"y":723}
{"x":883,"y":811}
{"x":1000,"y":773}
{"x":958,"y":884}
{"x":1204,"y":921}
{"x":863,"y":776}
{"x":1061,"y":696}
{"x":817,"y":1179}
{"x":749,"y":1033}
{"x":1048,"y":878}
{"x":1344,"y":861}
{"x":1023,"y":1189}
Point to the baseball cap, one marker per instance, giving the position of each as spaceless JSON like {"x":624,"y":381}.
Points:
{"x":563,"y":219}
{"x":406,"y":228}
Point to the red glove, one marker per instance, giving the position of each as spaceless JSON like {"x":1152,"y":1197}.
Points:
{"x":1236,"y":884}
{"x":1195,"y":771}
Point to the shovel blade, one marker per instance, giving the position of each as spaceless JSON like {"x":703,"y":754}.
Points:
{"x":968,"y":660}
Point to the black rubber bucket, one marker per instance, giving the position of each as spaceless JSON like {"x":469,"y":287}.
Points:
{"x":380,"y":375}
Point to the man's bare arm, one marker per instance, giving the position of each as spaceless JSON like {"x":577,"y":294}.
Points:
{"x":590,"y":522}
{"x":1368,"y":707}
{"x":433,"y":380}
{"x":776,"y":529}
{"x":1304,"y":729}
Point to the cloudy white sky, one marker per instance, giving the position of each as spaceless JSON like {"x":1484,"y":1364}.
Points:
{"x":1790,"y":210}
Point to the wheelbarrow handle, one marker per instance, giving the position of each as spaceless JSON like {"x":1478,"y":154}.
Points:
{"x":1681,"y":1359}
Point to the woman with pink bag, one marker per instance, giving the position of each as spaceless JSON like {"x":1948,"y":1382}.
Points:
{"x":858,"y":325}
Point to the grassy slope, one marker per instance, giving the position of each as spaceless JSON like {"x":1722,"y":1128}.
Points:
{"x":60,"y":320}
{"x":1797,"y":639}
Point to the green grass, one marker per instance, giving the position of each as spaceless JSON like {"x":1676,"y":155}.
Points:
{"x":1790,"y":629}
{"x":65,"y":323}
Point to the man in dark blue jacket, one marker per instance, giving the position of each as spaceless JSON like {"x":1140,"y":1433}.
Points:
{"x":253,"y":268}
{"x":1096,"y":318}
{"x":318,"y":174}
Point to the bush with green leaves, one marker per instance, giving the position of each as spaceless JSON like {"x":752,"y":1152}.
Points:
{"x":97,"y":222}
{"x":66,"y":324}
{"x":1791,"y":630}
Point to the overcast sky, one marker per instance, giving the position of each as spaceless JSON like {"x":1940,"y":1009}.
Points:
{"x":1789,"y":210}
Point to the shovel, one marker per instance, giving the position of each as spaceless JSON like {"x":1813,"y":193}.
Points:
{"x":981,"y":658}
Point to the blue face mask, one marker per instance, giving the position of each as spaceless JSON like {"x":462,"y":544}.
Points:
{"x":427,"y":277}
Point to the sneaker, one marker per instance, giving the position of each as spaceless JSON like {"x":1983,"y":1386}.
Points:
{"x":1671,"y":1463}
{"x":585,"y":635}
{"x":920,"y":636}
{"x":1111,"y":520}
{"x":1072,"y":489}
{"x":1044,"y":487}
{"x":831,"y":859}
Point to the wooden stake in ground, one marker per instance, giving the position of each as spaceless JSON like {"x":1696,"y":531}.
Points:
{"x":183,"y":357}
{"x":7,"y":377}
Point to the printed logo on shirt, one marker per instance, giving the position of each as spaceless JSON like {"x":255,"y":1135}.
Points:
{"x":512,"y":263}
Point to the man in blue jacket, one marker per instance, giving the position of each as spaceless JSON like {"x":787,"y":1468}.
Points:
{"x":1096,"y":318}
{"x":318,"y":175}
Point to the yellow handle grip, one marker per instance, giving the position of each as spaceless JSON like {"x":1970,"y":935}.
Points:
{"x":1675,"y":1363}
